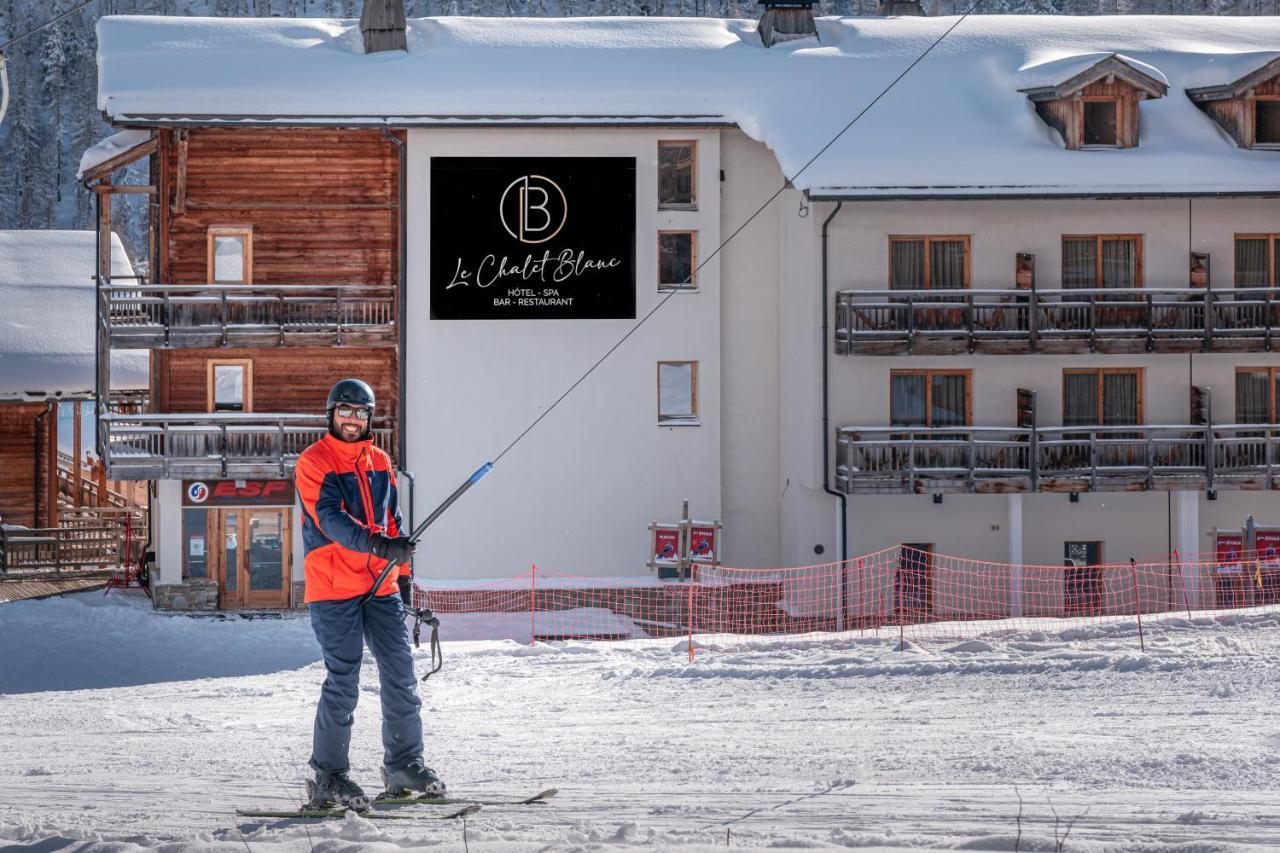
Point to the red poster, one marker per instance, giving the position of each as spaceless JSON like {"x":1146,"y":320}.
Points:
{"x":702,"y":543}
{"x":1269,"y":548}
{"x":666,"y":547}
{"x":1228,"y":551}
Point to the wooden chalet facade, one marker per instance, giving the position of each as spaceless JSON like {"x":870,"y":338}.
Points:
{"x":277,"y":269}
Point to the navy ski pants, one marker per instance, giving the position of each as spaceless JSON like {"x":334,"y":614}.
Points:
{"x":343,"y":627}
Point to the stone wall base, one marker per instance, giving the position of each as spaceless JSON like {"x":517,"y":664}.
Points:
{"x":299,"y":595}
{"x":193,"y":595}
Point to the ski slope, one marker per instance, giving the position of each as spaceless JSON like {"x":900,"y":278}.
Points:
{"x":794,"y":743}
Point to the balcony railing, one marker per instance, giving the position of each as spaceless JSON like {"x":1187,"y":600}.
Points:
{"x":890,"y":322}
{"x":907,"y":460}
{"x":223,"y":445}
{"x":247,"y":315}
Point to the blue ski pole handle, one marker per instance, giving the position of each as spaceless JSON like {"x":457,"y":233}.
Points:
{"x":427,"y":522}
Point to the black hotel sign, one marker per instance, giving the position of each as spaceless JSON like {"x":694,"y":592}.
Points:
{"x":516,"y":238}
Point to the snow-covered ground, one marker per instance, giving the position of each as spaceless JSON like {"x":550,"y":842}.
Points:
{"x":796,"y":742}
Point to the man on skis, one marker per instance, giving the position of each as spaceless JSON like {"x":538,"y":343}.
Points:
{"x":351,"y":529}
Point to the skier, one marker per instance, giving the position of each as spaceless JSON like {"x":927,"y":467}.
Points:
{"x":351,"y":529}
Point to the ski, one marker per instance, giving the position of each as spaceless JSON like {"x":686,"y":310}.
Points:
{"x":372,"y":814}
{"x":540,"y":797}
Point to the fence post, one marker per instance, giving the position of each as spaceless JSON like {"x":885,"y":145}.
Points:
{"x":689,"y":614}
{"x":1182,"y":582}
{"x":1137,"y":601}
{"x":862,"y":598}
{"x":533,"y":604}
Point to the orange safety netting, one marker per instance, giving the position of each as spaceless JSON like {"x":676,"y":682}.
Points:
{"x":911,"y":593}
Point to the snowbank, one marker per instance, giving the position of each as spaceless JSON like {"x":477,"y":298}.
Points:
{"x":50,"y":314}
{"x":957,"y":123}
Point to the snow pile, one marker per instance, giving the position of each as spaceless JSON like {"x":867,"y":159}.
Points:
{"x":784,"y":743}
{"x":112,"y":146}
{"x":49,"y":317}
{"x":957,"y":121}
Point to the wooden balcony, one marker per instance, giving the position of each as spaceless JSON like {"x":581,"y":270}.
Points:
{"x":247,"y":315}
{"x":214,"y":446}
{"x":994,"y":460}
{"x":1120,"y":320}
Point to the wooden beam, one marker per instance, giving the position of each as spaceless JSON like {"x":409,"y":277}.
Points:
{"x":125,"y":189}
{"x":124,"y":158}
{"x":104,"y":236}
{"x":180,"y":196}
{"x":51,"y":519}
{"x":76,"y":452}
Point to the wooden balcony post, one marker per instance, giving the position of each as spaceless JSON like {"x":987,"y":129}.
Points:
{"x":223,"y":305}
{"x":1151,"y":322}
{"x":1209,"y":311}
{"x":1093,"y":322}
{"x":911,"y":324}
{"x":1033,"y":463}
{"x":1209,"y":450}
{"x":77,"y":473}
{"x":968,"y":310}
{"x":1033,"y":316}
{"x":1093,"y":460}
{"x":167,"y":308}
{"x":338,"y":317}
{"x":1266,"y":319}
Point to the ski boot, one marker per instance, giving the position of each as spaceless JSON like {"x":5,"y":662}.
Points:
{"x":415,"y":776}
{"x":335,"y":790}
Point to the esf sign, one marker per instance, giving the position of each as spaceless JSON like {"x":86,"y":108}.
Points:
{"x":533,"y":238}
{"x":238,"y":493}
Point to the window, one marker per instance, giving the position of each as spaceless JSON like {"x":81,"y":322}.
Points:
{"x":230,"y":254}
{"x":678,"y":393}
{"x":1256,"y":395}
{"x":1256,"y":259}
{"x":230,"y":386}
{"x":1101,"y":125}
{"x":928,"y":263}
{"x":1102,"y":397}
{"x":677,"y":175}
{"x":195,"y":538}
{"x":933,"y":398}
{"x":1266,"y":122}
{"x":1106,"y":260}
{"x":677,"y":259}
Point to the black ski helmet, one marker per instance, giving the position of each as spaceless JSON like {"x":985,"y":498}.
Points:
{"x":350,"y":392}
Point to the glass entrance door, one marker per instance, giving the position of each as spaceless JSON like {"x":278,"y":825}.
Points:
{"x":252,"y":564}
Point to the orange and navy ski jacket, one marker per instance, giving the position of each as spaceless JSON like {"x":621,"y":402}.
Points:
{"x":347,"y":491}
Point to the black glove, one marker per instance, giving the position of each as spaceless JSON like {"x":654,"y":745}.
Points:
{"x":398,"y":550}
{"x":406,"y":590}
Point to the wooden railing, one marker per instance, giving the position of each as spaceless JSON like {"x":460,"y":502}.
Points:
{"x":86,"y":538}
{"x":874,"y":322}
{"x":247,"y":315}
{"x":92,"y":493}
{"x":222,"y":445}
{"x":999,"y":459}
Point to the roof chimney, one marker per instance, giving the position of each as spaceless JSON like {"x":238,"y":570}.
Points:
{"x":382,"y":25}
{"x":786,"y":20}
{"x":900,"y":8}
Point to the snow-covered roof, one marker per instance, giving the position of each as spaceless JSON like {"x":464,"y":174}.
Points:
{"x":49,"y":315}
{"x":113,"y":146}
{"x":955,"y":125}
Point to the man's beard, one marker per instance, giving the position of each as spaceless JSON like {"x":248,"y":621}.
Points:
{"x":336,"y":432}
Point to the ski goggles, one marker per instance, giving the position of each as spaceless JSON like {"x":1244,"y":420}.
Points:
{"x":353,"y":412}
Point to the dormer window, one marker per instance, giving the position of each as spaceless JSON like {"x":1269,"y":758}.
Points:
{"x":1101,"y":123}
{"x":1266,"y":122}
{"x":1248,"y":109}
{"x":1093,"y":101}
